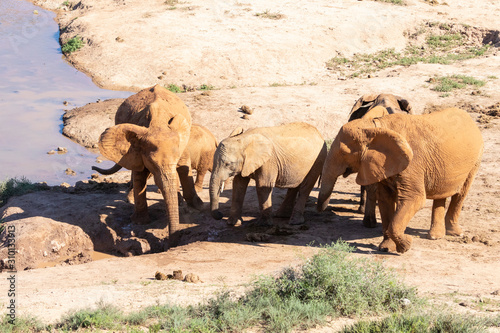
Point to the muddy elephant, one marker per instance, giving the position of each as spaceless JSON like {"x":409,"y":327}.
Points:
{"x":150,"y":137}
{"x":288,"y":156}
{"x":412,"y":158}
{"x":201,"y":148}
{"x":366,"y":107}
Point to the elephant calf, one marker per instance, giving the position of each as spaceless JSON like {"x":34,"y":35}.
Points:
{"x":288,"y":156}
{"x":412,"y":158}
{"x":369,"y":107}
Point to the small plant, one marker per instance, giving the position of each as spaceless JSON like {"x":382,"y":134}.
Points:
{"x":395,"y":2}
{"x":448,"y":83}
{"x":207,"y":87}
{"x":104,"y":317}
{"x":269,"y":15}
{"x":174,"y":88}
{"x":72,"y":45}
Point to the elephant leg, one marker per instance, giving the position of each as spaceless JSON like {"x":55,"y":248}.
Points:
{"x":188,"y":191}
{"x":362,"y":199}
{"x":200,"y":176}
{"x":387,"y":207}
{"x":130,"y":190}
{"x":286,"y":207}
{"x":405,"y":210}
{"x":264,"y":194}
{"x":370,"y":219}
{"x":437,"y":222}
{"x":240,"y":185}
{"x":456,"y":203}
{"x":140,"y":179}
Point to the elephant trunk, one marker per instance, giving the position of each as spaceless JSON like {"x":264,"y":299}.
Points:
{"x":216,"y":185}
{"x":110,"y":171}
{"x":327,"y":184}
{"x":168,"y":184}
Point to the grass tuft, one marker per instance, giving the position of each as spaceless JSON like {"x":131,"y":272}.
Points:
{"x":449,"y":83}
{"x":72,"y":45}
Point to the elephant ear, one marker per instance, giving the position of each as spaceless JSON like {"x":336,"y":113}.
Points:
{"x":404,"y":105}
{"x":236,"y":131}
{"x":121,"y":144}
{"x":386,"y":155}
{"x":256,"y":153}
{"x":376,"y":112}
{"x":361,"y":106}
{"x":180,"y":124}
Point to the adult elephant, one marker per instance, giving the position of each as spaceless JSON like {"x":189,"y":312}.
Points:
{"x":201,"y":148}
{"x":150,"y":136}
{"x":412,"y":158}
{"x":288,"y":156}
{"x":366,"y":107}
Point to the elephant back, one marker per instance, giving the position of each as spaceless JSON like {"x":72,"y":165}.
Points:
{"x":392,"y":103}
{"x":135,"y":109}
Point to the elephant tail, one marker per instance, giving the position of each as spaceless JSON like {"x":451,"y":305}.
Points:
{"x":110,"y":171}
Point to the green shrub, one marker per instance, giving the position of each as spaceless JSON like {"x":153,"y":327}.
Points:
{"x":72,"y":45}
{"x":17,"y":186}
{"x":104,"y":317}
{"x":174,"y":88}
{"x":449,"y":83}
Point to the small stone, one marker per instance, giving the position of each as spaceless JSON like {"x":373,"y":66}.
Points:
{"x":160,"y":77}
{"x":61,"y":150}
{"x":178,"y":275}
{"x":496,"y":292}
{"x":119,"y":39}
{"x":35,"y":12}
{"x":192,"y":278}
{"x":52,"y":152}
{"x":70,"y":172}
{"x":247,"y":110}
{"x":246,"y":117}
{"x":206,"y":93}
{"x":65,"y":103}
{"x":94,"y":176}
{"x":405,"y":302}
{"x":65,"y":185}
{"x":98,"y":160}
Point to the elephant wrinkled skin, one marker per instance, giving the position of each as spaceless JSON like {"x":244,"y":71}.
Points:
{"x":412,"y":158}
{"x":288,"y":156}
{"x":150,"y":137}
{"x":374,"y":106}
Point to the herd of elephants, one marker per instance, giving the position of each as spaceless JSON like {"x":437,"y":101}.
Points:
{"x":400,"y":159}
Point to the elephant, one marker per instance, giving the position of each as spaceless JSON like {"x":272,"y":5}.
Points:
{"x":365,"y":107}
{"x":288,"y":156}
{"x":411,"y":157}
{"x":151,"y":133}
{"x":201,"y":148}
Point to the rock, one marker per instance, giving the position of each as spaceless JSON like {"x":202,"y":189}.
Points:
{"x":177,"y":275}
{"x":160,"y":276}
{"x":40,"y":240}
{"x":62,"y":150}
{"x":133,"y":246}
{"x":85,"y":124}
{"x":70,"y":172}
{"x":246,"y":117}
{"x":192,"y":278}
{"x":52,"y":152}
{"x":247,"y":110}
{"x":257,"y":237}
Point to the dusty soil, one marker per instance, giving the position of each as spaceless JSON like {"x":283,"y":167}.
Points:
{"x":276,"y":67}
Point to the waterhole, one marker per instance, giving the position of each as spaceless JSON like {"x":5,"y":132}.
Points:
{"x":36,"y":86}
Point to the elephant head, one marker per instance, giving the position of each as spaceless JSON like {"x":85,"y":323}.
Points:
{"x":373,"y":153}
{"x":156,"y":148}
{"x":392,"y":104}
{"x":238,"y":154}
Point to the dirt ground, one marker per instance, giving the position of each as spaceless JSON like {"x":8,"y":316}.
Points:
{"x":277,"y":67}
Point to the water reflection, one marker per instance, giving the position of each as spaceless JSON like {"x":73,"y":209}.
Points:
{"x":34,"y":83}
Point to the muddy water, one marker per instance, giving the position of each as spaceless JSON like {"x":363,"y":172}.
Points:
{"x":35,"y":81}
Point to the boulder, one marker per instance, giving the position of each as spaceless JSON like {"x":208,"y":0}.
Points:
{"x":39,"y":242}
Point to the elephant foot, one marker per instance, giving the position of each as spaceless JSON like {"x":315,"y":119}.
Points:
{"x":217,"y":214}
{"x":196,"y":203}
{"x":234,"y":220}
{"x":436,"y":233}
{"x":296,"y":218}
{"x":387,"y":245}
{"x":140,"y":218}
{"x":370,"y":221}
{"x":454,"y":230}
{"x":404,"y":244}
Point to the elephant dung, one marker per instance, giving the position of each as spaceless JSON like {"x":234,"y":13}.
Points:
{"x":193,"y":278}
